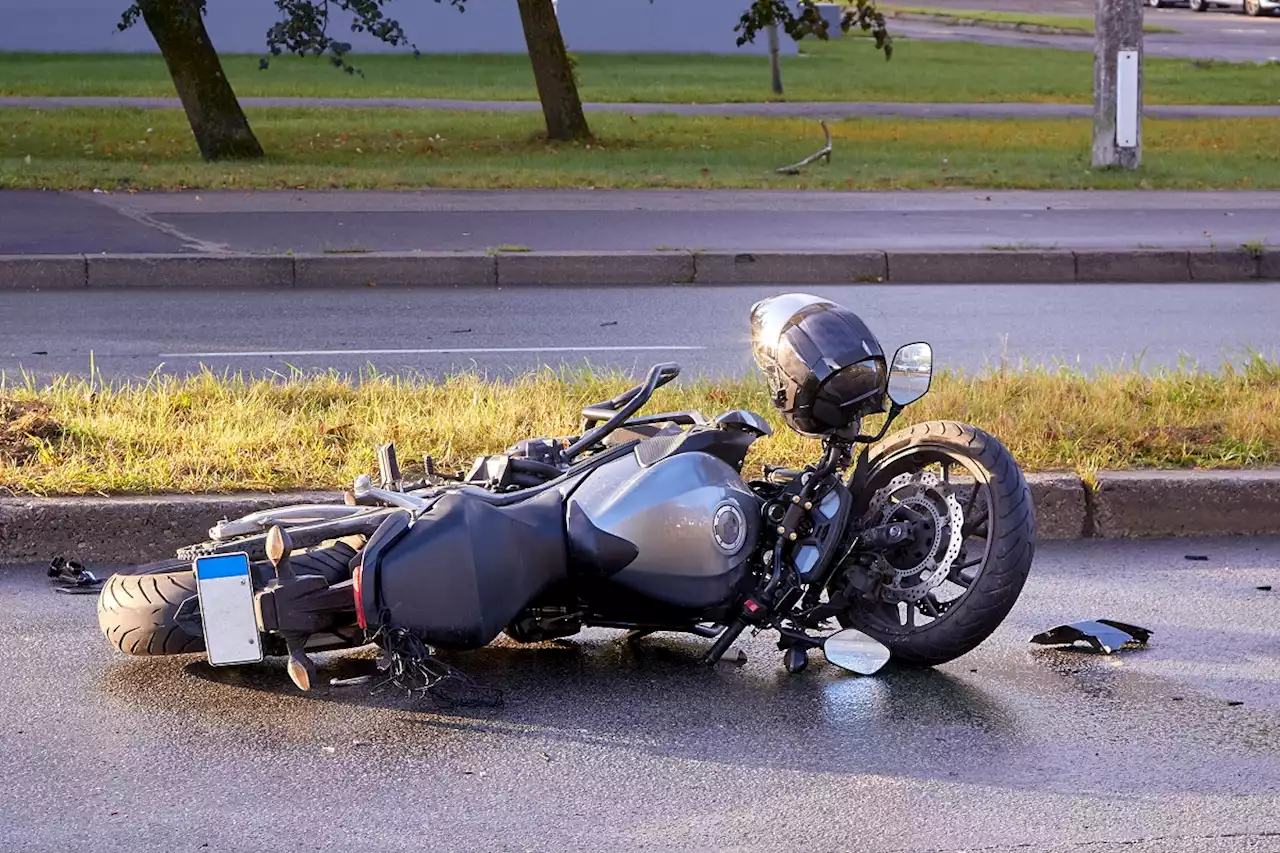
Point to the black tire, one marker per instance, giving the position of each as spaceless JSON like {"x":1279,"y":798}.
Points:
{"x":1198,"y":6}
{"x":1252,"y":8}
{"x":1011,"y":541}
{"x":137,"y":609}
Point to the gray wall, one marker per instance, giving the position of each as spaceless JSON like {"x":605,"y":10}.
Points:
{"x":660,"y":26}
{"x":487,"y":26}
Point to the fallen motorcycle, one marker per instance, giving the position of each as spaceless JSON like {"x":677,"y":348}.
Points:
{"x":917,"y":544}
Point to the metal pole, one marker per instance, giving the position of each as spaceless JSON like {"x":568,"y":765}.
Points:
{"x":1117,"y":84}
{"x":774,"y":65}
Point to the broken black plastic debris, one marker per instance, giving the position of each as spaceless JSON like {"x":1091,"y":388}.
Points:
{"x":1200,"y":557}
{"x":72,"y":578}
{"x":1266,"y":587}
{"x":1101,"y":635}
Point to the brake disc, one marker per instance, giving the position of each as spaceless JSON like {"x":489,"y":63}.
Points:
{"x":922,"y":494}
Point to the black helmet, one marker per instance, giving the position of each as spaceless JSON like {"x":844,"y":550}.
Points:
{"x":824,"y":367}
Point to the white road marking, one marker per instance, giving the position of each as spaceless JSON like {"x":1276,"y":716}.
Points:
{"x":459,"y":351}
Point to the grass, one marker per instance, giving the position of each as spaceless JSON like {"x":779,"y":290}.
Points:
{"x":846,"y":69}
{"x":313,"y":148}
{"x":229,"y":433}
{"x":1061,"y":22}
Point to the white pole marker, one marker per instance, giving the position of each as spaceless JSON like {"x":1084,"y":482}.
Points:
{"x":1127,"y":99}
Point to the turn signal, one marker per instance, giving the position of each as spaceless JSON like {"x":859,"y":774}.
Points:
{"x":357,"y":584}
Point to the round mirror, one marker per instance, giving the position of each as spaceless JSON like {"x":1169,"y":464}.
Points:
{"x":855,"y":651}
{"x":910,"y":373}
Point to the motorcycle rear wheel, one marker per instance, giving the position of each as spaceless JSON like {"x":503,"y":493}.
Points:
{"x":138,"y":608}
{"x":997,"y":541}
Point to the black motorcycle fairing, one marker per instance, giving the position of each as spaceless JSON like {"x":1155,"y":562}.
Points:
{"x":466,"y":567}
{"x":595,"y":552}
{"x":366,"y":589}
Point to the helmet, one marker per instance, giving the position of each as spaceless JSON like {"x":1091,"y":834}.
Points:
{"x":824,"y":367}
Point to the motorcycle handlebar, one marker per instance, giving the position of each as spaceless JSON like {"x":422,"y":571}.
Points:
{"x":621,"y":407}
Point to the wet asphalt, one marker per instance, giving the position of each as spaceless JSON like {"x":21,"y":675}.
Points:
{"x":610,"y":748}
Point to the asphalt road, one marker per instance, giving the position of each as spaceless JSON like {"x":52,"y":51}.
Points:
{"x":1229,"y":37}
{"x":35,"y":222}
{"x":601,"y":748}
{"x":130,"y":333}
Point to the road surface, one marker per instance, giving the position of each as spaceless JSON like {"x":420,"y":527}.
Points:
{"x":35,"y":222}
{"x":1172,"y":749}
{"x":130,"y":333}
{"x":1224,"y":37}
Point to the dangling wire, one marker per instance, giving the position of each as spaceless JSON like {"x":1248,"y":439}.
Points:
{"x":412,"y":667}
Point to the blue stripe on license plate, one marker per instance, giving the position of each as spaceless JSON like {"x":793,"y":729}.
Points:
{"x":222,"y":566}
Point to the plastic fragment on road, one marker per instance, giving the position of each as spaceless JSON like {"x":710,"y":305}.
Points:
{"x":1103,"y":636}
{"x":72,"y":578}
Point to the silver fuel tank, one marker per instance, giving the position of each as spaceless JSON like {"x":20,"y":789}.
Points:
{"x":678,"y":529}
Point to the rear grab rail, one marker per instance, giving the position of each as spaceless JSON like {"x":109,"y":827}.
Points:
{"x":630,"y":402}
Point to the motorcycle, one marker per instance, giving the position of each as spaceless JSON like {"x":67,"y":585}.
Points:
{"x":917,"y":544}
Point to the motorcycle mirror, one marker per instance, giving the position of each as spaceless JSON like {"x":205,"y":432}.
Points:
{"x":856,"y":652}
{"x":910,"y":373}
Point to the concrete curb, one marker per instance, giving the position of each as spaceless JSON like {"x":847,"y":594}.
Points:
{"x":124,"y":530}
{"x":429,"y":269}
{"x":791,"y":267}
{"x":1186,"y":503}
{"x":586,"y":268}
{"x":1138,"y":504}
{"x":435,"y":269}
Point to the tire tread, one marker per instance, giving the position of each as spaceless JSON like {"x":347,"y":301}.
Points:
{"x":137,"y":609}
{"x":1001,"y":580}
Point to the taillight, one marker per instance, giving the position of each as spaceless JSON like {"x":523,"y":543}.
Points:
{"x":357,"y":584}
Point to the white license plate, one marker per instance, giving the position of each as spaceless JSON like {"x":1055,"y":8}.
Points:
{"x":225,"y":586}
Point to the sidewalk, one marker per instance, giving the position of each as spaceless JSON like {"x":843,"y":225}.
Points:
{"x":804,"y":109}
{"x":281,"y":238}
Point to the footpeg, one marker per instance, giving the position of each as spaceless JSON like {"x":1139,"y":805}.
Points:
{"x":279,"y":547}
{"x":302,"y":669}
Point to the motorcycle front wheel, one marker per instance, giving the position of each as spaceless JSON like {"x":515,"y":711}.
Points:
{"x":939,"y":595}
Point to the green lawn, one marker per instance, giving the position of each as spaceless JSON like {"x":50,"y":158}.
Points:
{"x":1061,"y":22}
{"x":839,"y":70}
{"x":231,"y":433}
{"x":315,"y":148}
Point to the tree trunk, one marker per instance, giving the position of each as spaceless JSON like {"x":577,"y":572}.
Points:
{"x":222,"y":132}
{"x":1117,"y":90}
{"x":775,"y":66}
{"x":561,"y":106}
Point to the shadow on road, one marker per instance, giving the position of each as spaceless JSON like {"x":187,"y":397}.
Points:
{"x":1041,"y":721}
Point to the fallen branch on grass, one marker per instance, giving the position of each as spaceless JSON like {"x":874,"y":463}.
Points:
{"x":795,"y":168}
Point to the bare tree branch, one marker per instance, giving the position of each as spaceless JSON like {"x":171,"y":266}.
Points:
{"x":795,"y":168}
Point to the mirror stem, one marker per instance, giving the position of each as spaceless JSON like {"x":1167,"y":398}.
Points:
{"x":894,"y":411}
